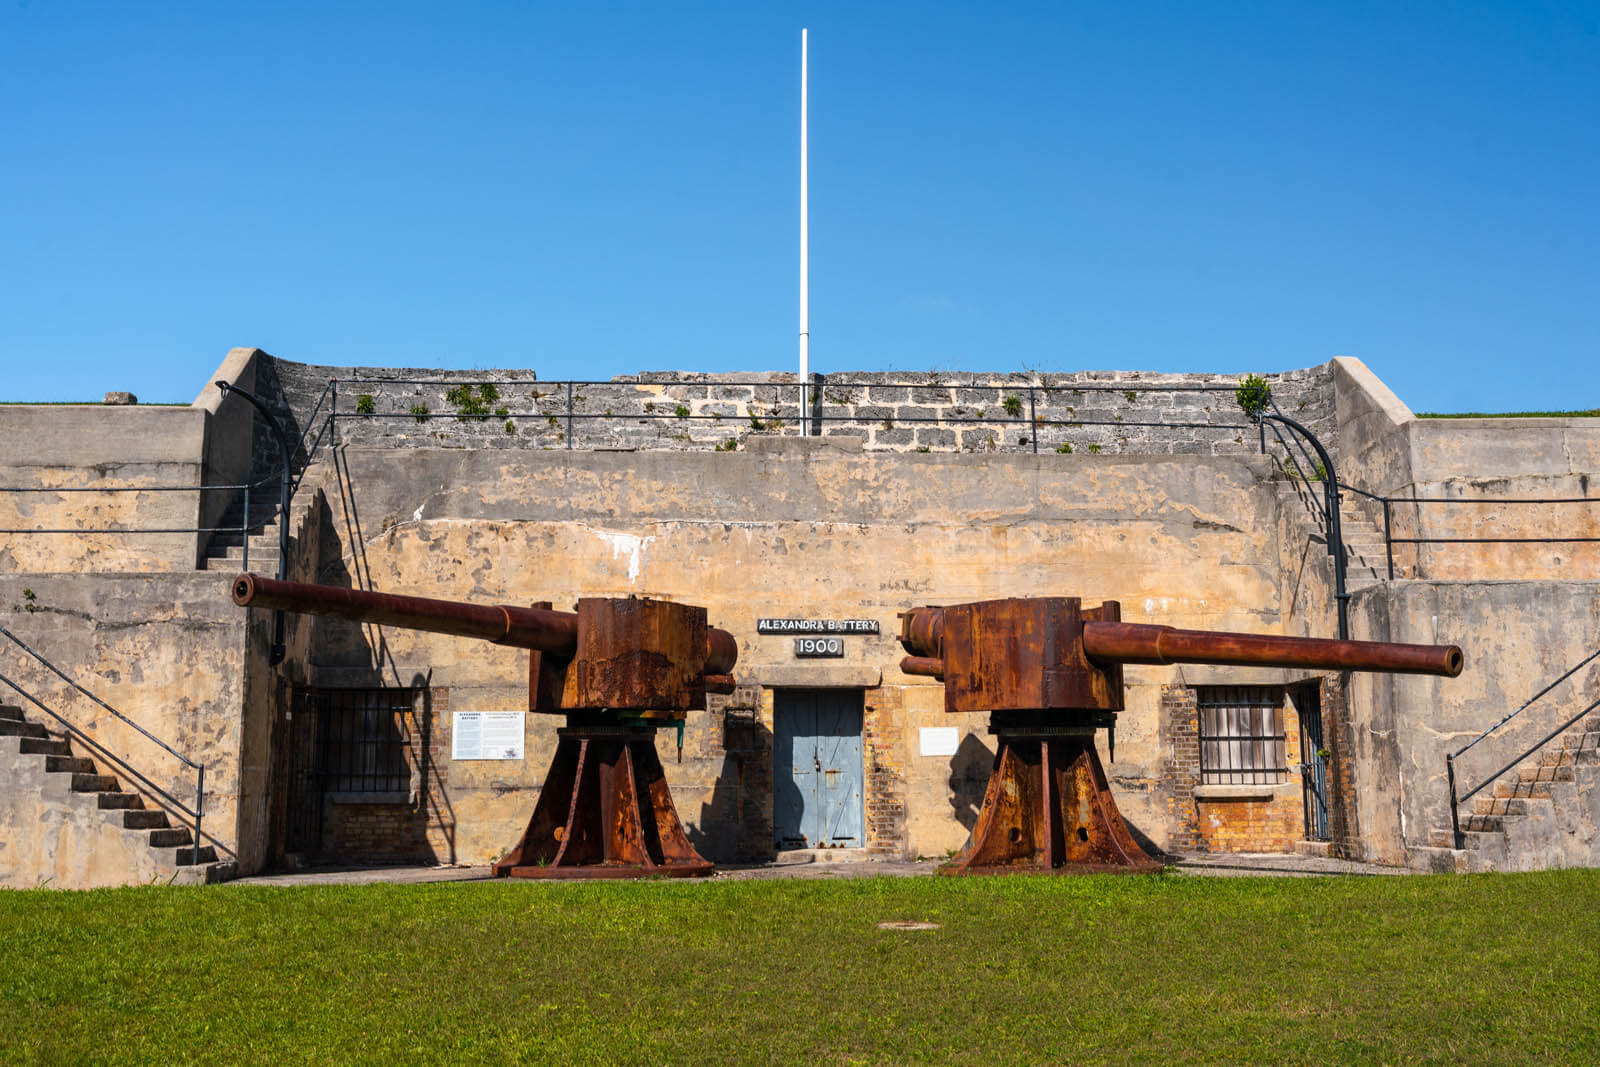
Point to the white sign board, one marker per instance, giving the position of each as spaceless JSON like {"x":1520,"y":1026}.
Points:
{"x":487,"y":734}
{"x":939,"y":740}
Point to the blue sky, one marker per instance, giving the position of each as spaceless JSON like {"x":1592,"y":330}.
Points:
{"x":590,"y":190}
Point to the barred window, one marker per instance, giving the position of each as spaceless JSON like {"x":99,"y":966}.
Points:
{"x":1241,"y":735}
{"x":363,"y":738}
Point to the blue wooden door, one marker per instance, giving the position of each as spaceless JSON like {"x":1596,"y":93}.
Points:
{"x":817,"y":774}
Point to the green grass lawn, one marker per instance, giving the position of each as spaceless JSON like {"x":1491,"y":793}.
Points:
{"x":1489,"y":968}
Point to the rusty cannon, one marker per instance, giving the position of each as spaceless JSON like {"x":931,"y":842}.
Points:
{"x":1049,"y":673}
{"x":617,"y":668}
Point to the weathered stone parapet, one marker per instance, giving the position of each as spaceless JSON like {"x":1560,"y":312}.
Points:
{"x":1115,"y":412}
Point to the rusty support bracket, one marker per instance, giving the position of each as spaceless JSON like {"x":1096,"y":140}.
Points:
{"x":604,"y":812}
{"x":1048,"y":809}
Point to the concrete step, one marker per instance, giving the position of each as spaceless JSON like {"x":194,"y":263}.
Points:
{"x":1559,"y":792}
{"x":261,"y":540}
{"x":144,"y":819}
{"x":185,"y":856}
{"x":68,"y":765}
{"x":119,"y":801}
{"x":1485,"y":824}
{"x":94,"y":783}
{"x":10,"y":711}
{"x":43,"y":747}
{"x":205,"y":874}
{"x":1543,"y":773}
{"x":1507,"y":805}
{"x":1440,"y":859}
{"x":1568,"y":757}
{"x":168,"y":836}
{"x":1488,"y":850}
{"x":21,"y":728}
{"x":1588,"y":740}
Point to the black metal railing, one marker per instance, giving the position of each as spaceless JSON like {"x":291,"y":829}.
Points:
{"x":1450,"y":758}
{"x":1309,"y":467}
{"x":1387,"y":504}
{"x":195,"y":813}
{"x":243,"y":528}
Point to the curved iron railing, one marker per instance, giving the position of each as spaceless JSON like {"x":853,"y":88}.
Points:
{"x":1318,"y":468}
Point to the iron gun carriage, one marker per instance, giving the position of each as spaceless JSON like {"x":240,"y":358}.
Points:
{"x":616,"y":668}
{"x":1049,"y":673}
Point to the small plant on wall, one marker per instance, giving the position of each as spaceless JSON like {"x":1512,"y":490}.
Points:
{"x":472,"y":403}
{"x":1253,"y":395}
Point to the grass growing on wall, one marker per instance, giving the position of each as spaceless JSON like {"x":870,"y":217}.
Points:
{"x":1164,"y":969}
{"x":1593,"y":413}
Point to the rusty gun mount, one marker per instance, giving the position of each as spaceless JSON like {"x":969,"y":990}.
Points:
{"x":616,"y":668}
{"x":1049,"y":673}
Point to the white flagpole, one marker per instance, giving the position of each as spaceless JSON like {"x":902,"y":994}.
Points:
{"x":805,"y":266}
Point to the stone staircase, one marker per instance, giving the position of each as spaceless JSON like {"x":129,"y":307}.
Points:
{"x":226,"y":550}
{"x":1543,"y":814}
{"x":1366,"y":558}
{"x":68,"y":818}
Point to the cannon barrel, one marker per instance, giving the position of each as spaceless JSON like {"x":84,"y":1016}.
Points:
{"x":537,"y":629}
{"x":1126,"y":642}
{"x":532,"y":628}
{"x":1106,"y":643}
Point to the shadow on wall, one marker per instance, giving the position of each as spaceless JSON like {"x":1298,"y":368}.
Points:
{"x":970,"y":768}
{"x":359,"y":774}
{"x":735,"y":826}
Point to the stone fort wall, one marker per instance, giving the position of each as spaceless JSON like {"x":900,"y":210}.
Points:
{"x":1111,"y":412}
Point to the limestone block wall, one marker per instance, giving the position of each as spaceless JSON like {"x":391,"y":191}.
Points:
{"x":1516,"y":637}
{"x":795,"y":528}
{"x":1496,"y":464}
{"x":100,"y":457}
{"x":171,"y":653}
{"x":1111,"y":412}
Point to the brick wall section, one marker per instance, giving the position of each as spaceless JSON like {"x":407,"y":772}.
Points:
{"x":1250,"y":825}
{"x":1260,"y":826}
{"x":418,"y":830}
{"x":1226,"y":825}
{"x":1181,"y":769}
{"x":883,"y":754}
{"x":1087,"y":411}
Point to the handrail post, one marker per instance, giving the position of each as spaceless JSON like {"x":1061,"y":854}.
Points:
{"x":1455,"y":813}
{"x":244,"y":524}
{"x":1388,"y":538}
{"x":199,"y":809}
{"x":1033,"y":420}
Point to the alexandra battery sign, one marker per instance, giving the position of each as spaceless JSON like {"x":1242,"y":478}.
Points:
{"x":816,"y":626}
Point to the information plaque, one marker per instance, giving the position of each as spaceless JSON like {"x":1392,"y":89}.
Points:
{"x":487,"y":734}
